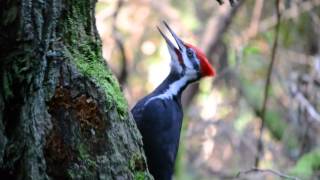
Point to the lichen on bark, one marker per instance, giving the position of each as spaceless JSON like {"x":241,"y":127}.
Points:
{"x":62,"y":113}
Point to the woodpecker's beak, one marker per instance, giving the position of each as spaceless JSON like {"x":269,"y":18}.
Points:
{"x":176,"y":38}
{"x":175,"y":52}
{"x":169,"y":43}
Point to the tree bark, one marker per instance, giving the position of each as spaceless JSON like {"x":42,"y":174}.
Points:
{"x":62,"y":113}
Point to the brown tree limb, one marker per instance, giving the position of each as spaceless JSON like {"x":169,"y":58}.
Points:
{"x":267,"y":86}
{"x":274,"y":172}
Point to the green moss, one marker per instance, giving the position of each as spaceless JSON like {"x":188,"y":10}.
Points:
{"x":86,"y":157}
{"x":86,"y":166}
{"x":141,"y":175}
{"x":86,"y":53}
{"x":137,"y":165}
{"x":307,"y":164}
{"x":133,"y":160}
{"x":93,"y":66}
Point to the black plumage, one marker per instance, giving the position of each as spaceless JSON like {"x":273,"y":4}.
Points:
{"x":159,"y":121}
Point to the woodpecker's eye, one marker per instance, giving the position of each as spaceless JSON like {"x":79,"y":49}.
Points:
{"x":189,"y":53}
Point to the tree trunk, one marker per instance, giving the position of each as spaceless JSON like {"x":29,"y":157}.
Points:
{"x":62,"y":113}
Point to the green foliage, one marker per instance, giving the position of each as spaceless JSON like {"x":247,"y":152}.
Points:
{"x":251,"y":50}
{"x":307,"y":164}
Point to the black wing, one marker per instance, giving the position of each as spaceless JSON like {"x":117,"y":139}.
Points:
{"x":159,"y":122}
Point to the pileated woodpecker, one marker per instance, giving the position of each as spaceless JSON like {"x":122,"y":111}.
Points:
{"x":159,"y":115}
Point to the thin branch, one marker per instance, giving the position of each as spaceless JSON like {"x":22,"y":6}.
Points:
{"x":276,"y":173}
{"x":267,"y":85}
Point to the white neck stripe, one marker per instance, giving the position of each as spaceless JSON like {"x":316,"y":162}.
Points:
{"x":173,"y":90}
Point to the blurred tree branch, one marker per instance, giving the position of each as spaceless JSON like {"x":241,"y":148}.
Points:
{"x":217,"y":26}
{"x":252,"y":171}
{"x":256,"y":170}
{"x":306,"y":104}
{"x":267,"y":85}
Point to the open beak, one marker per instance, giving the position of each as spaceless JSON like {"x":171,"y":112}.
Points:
{"x":176,"y":38}
{"x":173,"y":50}
{"x":176,"y":53}
{"x":169,"y":43}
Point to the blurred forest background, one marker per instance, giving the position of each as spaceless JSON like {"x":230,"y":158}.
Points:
{"x":251,"y":100}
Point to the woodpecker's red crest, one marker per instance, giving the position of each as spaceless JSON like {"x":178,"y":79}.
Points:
{"x":187,"y":57}
{"x":206,"y":68}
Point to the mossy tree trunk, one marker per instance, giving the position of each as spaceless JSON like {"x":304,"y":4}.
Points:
{"x":62,"y":114}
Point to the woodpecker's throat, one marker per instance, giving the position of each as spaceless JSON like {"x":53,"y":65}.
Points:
{"x":171,"y":87}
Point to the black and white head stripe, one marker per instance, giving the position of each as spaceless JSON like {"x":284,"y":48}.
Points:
{"x":193,"y":59}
